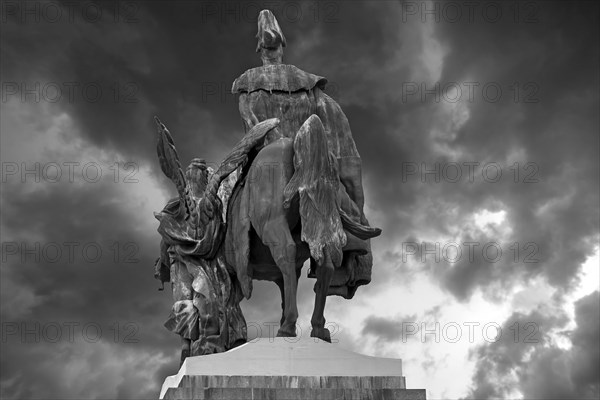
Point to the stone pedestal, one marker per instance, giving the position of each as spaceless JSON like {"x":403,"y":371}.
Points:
{"x":290,"y":369}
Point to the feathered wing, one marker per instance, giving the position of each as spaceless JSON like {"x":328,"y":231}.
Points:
{"x":170,"y":164}
{"x":236,"y":157}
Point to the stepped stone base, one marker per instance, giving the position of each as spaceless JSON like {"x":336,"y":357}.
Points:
{"x":289,"y":369}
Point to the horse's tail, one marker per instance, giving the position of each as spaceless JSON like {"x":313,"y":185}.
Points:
{"x":316,"y":181}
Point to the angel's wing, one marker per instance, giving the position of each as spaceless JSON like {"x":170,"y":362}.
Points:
{"x":170,"y":164}
{"x":236,"y":157}
{"x":239,"y":154}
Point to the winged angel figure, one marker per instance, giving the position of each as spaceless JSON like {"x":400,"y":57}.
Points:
{"x":206,"y":292}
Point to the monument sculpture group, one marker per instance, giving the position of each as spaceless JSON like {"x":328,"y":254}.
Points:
{"x":290,"y":191}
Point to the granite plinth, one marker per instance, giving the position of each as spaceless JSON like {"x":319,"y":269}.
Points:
{"x":289,"y":368}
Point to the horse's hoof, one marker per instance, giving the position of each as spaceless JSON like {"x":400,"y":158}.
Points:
{"x":321,"y":333}
{"x":283,"y":333}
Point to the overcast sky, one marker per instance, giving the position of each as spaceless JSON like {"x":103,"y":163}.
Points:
{"x":478,"y":128}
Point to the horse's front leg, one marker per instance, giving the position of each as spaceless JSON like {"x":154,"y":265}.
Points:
{"x":324,"y":275}
{"x":290,"y":287}
{"x":277,"y":236}
{"x":282,"y":291}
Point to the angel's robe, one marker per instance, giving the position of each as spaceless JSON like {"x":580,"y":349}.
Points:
{"x":292,"y":95}
{"x":205,"y":292}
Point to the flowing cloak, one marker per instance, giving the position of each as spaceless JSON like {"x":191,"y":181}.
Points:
{"x":176,"y":231}
{"x":292,"y":95}
{"x":200,"y":252}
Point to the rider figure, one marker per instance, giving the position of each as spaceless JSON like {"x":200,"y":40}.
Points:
{"x":277,"y":90}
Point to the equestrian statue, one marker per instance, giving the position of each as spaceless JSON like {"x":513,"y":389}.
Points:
{"x":293,"y":190}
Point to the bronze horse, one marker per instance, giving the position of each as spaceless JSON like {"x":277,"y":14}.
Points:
{"x":292,"y":196}
{"x":287,"y":205}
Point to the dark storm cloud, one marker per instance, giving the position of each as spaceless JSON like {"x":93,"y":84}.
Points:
{"x":177,"y":59}
{"x":543,"y":370}
{"x":558,"y":57}
{"x":586,"y":353}
{"x":158,"y":63}
{"x":115,"y":298}
{"x":559,"y":54}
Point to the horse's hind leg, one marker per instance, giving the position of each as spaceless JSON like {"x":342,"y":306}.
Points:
{"x":282,"y":291}
{"x":277,"y":236}
{"x":324,"y":275}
